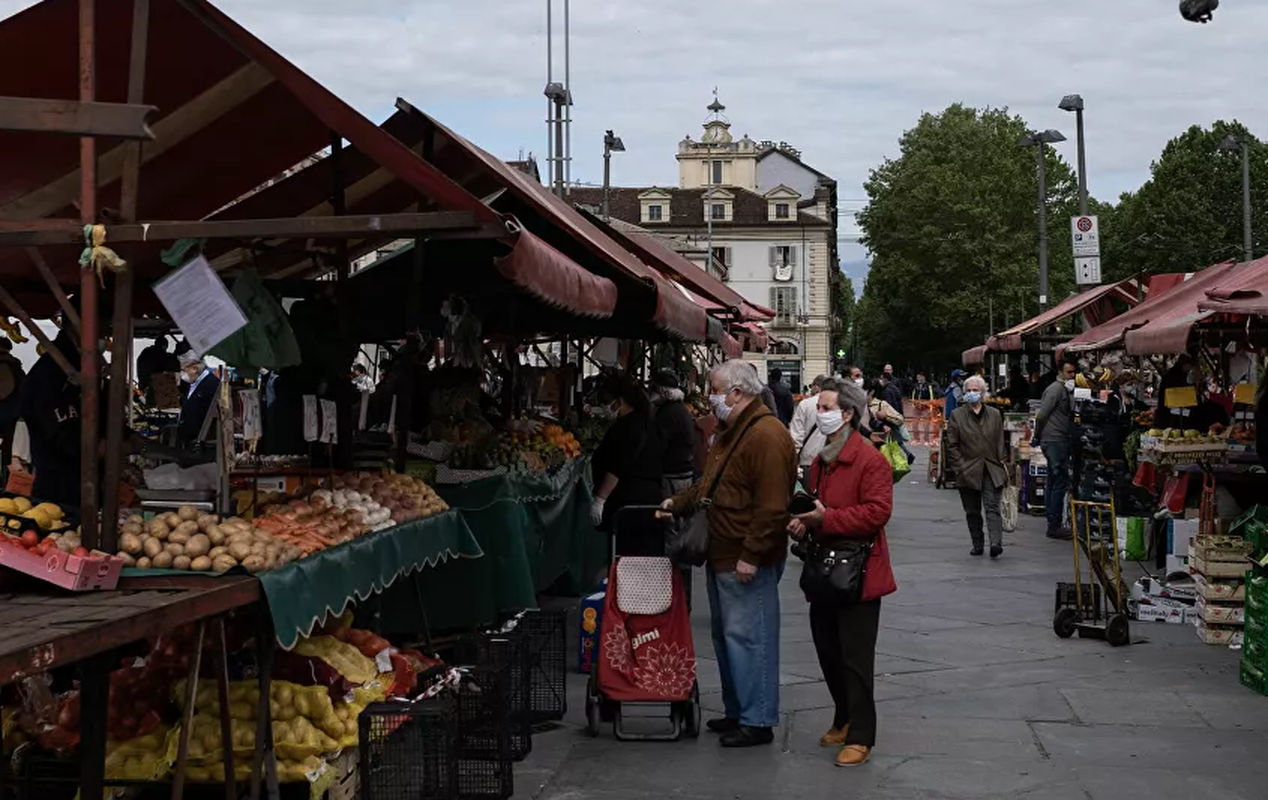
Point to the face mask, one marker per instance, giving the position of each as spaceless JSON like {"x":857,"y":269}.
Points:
{"x":1069,"y":385}
{"x":972,"y":398}
{"x":720,"y":409}
{"x":830,"y":422}
{"x":858,"y":382}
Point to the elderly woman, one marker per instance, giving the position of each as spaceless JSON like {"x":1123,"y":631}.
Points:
{"x":977,"y":451}
{"x":854,"y":493}
{"x":747,"y":486}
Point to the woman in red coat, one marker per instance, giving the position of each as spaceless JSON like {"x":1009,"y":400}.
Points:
{"x":855,"y":496}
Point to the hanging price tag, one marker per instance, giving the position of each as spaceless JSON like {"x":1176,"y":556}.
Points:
{"x":251,"y":429}
{"x":1181,"y":397}
{"x":310,"y":418}
{"x":329,"y":422}
{"x":1244,"y":394}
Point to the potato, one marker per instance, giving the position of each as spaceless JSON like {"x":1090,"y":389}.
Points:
{"x":151,"y":547}
{"x":163,"y":560}
{"x":240,"y":550}
{"x":218,"y":551}
{"x":198,"y":545}
{"x":130,"y":543}
{"x":181,"y":562}
{"x":144,"y":563}
{"x":222,"y":563}
{"x":171,"y":519}
{"x":206,"y":520}
{"x":136,"y":519}
{"x":254,"y":564}
{"x":215,"y":533}
{"x":136,"y":529}
{"x":200,"y":564}
{"x":187,"y":513}
{"x":128,"y":559}
{"x":175,"y":549}
{"x":157,"y":528}
{"x":187,"y":527}
{"x":176,"y":537}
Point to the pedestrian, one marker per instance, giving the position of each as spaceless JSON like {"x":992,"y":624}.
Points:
{"x":806,"y":436}
{"x":628,"y":464}
{"x":783,"y":397}
{"x":884,"y":420}
{"x":11,"y":377}
{"x":676,"y":431}
{"x":977,"y":453}
{"x":856,"y":376}
{"x":1054,"y":432}
{"x":204,"y":387}
{"x":854,"y":493}
{"x":888,"y":374}
{"x":892,"y":391}
{"x":754,"y":465}
{"x":923,"y":390}
{"x":361,"y":379}
{"x":953,"y":392}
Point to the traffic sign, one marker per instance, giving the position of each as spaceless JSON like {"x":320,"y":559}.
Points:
{"x":1085,"y":236}
{"x":1087,"y":270}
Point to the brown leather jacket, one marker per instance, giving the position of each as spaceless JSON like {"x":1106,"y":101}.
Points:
{"x":749,"y":516}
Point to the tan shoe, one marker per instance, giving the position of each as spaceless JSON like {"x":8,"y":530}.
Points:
{"x":853,"y":755}
{"x":835,"y":737}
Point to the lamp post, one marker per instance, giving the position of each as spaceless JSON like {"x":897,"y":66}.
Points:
{"x":1074,"y":102}
{"x":1233,"y":144}
{"x":611,"y":144}
{"x":1039,"y":140}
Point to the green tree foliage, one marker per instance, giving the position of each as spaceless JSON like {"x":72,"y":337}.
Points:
{"x":1188,"y":215}
{"x":843,"y":303}
{"x":951,"y":225}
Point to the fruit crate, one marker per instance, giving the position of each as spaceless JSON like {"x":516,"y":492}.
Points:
{"x":1255,"y":652}
{"x":508,"y":653}
{"x":547,"y":633}
{"x":409,"y":750}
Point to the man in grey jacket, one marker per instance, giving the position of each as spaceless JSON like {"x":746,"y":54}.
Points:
{"x":1054,"y":431}
{"x":977,"y":452}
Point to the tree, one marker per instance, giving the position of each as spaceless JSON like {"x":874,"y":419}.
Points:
{"x":843,"y":304}
{"x":951,"y":225}
{"x":1188,"y":215}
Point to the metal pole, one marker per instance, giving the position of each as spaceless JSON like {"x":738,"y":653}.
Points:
{"x":1247,"y":243}
{"x":1082,"y":165}
{"x":1043,"y":229}
{"x":550,"y":77}
{"x":567,"y":100}
{"x":559,"y":148}
{"x":607,"y":179}
{"x":89,"y":366}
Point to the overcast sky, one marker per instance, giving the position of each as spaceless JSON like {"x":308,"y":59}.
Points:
{"x":839,"y":80}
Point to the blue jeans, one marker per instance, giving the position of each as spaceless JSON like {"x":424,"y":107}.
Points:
{"x":1057,"y":455}
{"x":745,"y":620}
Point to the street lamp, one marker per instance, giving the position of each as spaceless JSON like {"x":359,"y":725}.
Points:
{"x":1233,"y":144}
{"x":611,"y":144}
{"x":1039,"y":140}
{"x":1074,"y":102}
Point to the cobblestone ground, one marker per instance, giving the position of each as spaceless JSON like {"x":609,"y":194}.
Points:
{"x":977,"y":698}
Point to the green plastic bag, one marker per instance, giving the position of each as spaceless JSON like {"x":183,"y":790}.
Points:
{"x":897,"y":459}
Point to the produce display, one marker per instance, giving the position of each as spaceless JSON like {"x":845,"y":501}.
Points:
{"x":188,"y":539}
{"x":19,"y":513}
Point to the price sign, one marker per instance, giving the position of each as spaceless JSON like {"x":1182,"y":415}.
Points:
{"x":310,"y":418}
{"x":329,"y":422}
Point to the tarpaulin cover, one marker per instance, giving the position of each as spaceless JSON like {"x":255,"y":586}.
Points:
{"x":1175,"y":302}
{"x":1243,"y":292}
{"x":1089,"y":302}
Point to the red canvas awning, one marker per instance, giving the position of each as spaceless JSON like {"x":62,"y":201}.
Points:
{"x":554,"y":220}
{"x":550,"y":276}
{"x":731,"y":346}
{"x":1094,"y":304}
{"x":1163,"y":308}
{"x":1243,"y":292}
{"x":974,"y":356}
{"x":753,"y":336}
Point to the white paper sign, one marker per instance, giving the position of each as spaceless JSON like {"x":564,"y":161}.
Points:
{"x":200,"y":305}
{"x":310,"y":418}
{"x":329,"y":422}
{"x":251,"y":428}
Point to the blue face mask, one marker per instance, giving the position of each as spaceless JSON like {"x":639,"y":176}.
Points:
{"x":972,"y":398}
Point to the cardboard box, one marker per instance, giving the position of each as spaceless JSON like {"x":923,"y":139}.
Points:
{"x":77,"y":573}
{"x":1179,"y":532}
{"x":590,"y":623}
{"x":1145,"y":612}
{"x":1177,"y":564}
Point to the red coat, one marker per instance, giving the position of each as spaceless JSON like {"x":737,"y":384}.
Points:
{"x":858,"y":491}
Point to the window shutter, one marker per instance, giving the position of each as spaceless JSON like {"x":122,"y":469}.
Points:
{"x":726,"y":256}
{"x":774,"y":256}
{"x":774,"y":301}
{"x":792,"y":303}
{"x":792,"y":256}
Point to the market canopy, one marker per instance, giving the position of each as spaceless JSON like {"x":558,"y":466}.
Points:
{"x":1243,"y":292}
{"x":231,"y":115}
{"x":1096,"y":305}
{"x":645,"y":296}
{"x":1159,"y":309}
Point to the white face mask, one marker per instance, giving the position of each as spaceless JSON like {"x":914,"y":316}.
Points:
{"x":830,"y":422}
{"x":720,"y":409}
{"x":858,"y":382}
{"x":1069,"y":385}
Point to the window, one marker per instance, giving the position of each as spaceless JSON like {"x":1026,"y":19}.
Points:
{"x":653,"y":213}
{"x":781,"y":211}
{"x":721,"y":262}
{"x":783,"y":260}
{"x":715,"y":173}
{"x":783,"y":300}
{"x":717,"y":211}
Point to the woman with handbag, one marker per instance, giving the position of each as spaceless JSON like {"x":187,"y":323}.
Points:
{"x":847,"y":568}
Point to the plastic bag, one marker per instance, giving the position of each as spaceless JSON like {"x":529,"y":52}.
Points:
{"x":1010,"y":507}
{"x":898,"y":464}
{"x":144,"y":758}
{"x":342,"y":656}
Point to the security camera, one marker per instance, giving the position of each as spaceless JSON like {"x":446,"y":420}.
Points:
{"x":1198,"y":10}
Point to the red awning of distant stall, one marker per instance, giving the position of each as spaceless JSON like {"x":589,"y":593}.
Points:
{"x":232,"y":113}
{"x":754,"y":337}
{"x":1243,"y":292}
{"x":553,"y":219}
{"x":1095,"y":304}
{"x":974,"y":356}
{"x":731,"y":346}
{"x":1159,"y":309}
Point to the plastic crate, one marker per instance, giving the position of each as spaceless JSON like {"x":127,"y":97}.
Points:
{"x":410,"y":750}
{"x":547,"y":633}
{"x":484,"y":738}
{"x":508,"y":654}
{"x":1253,"y":677}
{"x":1067,"y":597}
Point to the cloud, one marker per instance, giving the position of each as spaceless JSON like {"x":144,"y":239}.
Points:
{"x":840,"y":81}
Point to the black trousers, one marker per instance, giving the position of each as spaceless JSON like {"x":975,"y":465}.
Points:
{"x":845,"y":640}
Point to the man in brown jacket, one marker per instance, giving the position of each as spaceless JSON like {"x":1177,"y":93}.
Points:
{"x":755,"y":465}
{"x":977,"y":452}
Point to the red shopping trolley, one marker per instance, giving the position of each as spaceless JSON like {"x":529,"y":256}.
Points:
{"x":645,"y":657}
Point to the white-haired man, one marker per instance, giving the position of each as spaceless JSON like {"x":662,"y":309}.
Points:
{"x":748,"y":481}
{"x":806,"y":436}
{"x":203,"y":387}
{"x":977,"y":452}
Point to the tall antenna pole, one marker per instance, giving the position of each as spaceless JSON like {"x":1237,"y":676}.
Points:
{"x":550,"y":66}
{"x":567,"y":98}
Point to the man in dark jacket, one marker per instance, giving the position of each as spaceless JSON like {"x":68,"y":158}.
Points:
{"x":154,"y":360}
{"x":676,"y":428}
{"x":204,"y":387}
{"x":892,"y":391}
{"x":784,"y":403}
{"x":1054,"y":432}
{"x":977,"y":453}
{"x":50,"y":408}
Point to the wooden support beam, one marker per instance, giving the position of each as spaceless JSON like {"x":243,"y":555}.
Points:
{"x":119,"y":120}
{"x":16,"y":310}
{"x":72,"y":316}
{"x":89,"y":360}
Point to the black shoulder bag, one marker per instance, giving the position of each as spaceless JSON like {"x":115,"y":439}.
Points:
{"x":690,"y":543}
{"x":834,"y":566}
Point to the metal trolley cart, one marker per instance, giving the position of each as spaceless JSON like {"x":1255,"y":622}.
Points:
{"x":1098,"y":609}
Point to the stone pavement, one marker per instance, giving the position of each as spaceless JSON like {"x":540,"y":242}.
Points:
{"x":977,"y":697}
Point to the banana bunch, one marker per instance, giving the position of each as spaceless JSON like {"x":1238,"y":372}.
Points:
{"x":11,"y":329}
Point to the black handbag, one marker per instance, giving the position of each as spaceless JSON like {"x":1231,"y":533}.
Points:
{"x":689,"y":543}
{"x":834,"y":568}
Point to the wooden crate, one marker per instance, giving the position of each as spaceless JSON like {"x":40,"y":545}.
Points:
{"x":1220,"y":591}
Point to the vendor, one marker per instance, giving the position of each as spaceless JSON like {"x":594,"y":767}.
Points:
{"x":1124,"y":403}
{"x":1185,"y":372}
{"x":629,"y":463}
{"x":204,"y":386}
{"x":50,"y":408}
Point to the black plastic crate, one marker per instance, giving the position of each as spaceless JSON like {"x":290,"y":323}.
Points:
{"x":410,"y":751}
{"x":483,"y":763}
{"x":1067,"y":597}
{"x":507,"y":654}
{"x":547,"y":633}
